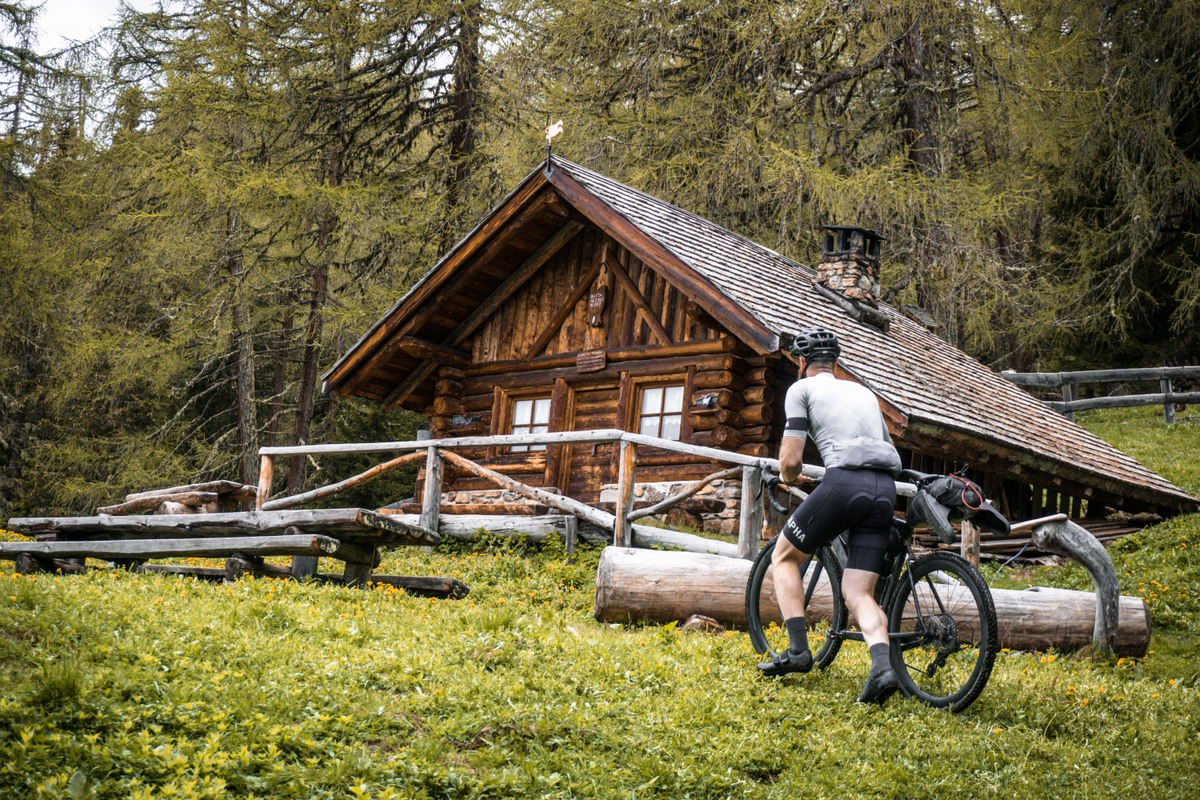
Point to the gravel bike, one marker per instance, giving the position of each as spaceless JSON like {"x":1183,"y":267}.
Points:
{"x":940,"y":614}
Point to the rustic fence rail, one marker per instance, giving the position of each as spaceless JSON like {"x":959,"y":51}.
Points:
{"x":436,"y":452}
{"x":1167,"y":397}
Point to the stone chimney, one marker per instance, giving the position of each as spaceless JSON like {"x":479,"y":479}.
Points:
{"x":849,"y":262}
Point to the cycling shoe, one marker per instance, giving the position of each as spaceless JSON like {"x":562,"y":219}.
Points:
{"x":880,"y":686}
{"x":786,"y":662}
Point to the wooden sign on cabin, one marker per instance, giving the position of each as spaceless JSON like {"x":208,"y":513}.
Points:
{"x":591,"y":361}
{"x":596,"y":307}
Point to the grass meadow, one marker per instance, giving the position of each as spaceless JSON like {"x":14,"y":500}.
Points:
{"x":118,"y":685}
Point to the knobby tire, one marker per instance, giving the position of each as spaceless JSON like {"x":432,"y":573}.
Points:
{"x":944,"y":637}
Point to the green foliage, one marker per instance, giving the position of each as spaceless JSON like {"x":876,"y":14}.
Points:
{"x":271,"y":688}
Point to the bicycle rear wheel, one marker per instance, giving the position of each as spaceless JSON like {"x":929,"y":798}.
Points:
{"x":943,"y":627}
{"x":826,"y":615}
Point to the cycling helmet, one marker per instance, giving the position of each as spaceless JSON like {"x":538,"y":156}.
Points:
{"x":816,"y":344}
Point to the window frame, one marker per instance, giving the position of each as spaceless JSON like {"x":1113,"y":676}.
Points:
{"x":664,"y":382}
{"x":533,"y":426}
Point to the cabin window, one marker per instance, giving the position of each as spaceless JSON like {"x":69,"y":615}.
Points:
{"x":661,"y":412}
{"x":530,"y":415}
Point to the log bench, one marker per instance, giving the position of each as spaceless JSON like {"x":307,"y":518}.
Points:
{"x":351,"y":535}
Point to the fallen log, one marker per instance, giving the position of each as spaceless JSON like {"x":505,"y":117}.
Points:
{"x":494,"y":509}
{"x":150,"y":501}
{"x":286,"y":545}
{"x":1066,"y":538}
{"x":467,"y":527}
{"x":352,"y":524}
{"x":656,"y":586}
{"x":228,"y":490}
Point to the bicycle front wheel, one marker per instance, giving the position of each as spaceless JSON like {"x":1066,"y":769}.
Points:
{"x":826,"y":613}
{"x":943,"y":628}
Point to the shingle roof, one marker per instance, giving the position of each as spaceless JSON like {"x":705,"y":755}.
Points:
{"x":923,"y":376}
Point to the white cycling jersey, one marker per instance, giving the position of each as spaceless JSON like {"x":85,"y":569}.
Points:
{"x":844,"y":421}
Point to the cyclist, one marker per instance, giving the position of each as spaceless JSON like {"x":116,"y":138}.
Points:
{"x":857,"y":495}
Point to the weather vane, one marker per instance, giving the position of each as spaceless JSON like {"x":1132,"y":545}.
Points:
{"x":552,"y":130}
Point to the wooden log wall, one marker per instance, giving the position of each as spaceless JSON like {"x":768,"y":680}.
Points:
{"x":589,"y":331}
{"x":592,"y":295}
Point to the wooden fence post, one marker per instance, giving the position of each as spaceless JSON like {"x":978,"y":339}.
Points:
{"x":572,"y":533}
{"x":1164,"y":385}
{"x":751,"y":520}
{"x":626,"y":477}
{"x":432,"y":501}
{"x":1068,"y":394}
{"x":266,"y":473}
{"x":970,"y":543}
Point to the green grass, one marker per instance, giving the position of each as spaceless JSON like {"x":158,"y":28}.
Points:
{"x":141,"y":686}
{"x":1169,"y":450}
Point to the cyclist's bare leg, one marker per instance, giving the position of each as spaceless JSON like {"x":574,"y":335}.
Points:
{"x":789,"y":591}
{"x":789,"y":586}
{"x":858,"y":587}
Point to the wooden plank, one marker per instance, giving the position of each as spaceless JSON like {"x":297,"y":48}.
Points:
{"x":403,"y":390}
{"x":970,"y":543}
{"x":487,"y":508}
{"x":357,"y":573}
{"x":514,"y":281}
{"x":560,"y":401}
{"x":228,"y":490}
{"x":433,"y":586}
{"x":1054,"y":379}
{"x":571,"y":537}
{"x":709,"y":348}
{"x":564,"y":311}
{"x":442,"y":354}
{"x":283,"y":545}
{"x":1125,"y":401}
{"x":707,"y":295}
{"x":154,"y":501}
{"x":351,"y":524}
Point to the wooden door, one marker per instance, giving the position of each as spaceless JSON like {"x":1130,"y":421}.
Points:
{"x":586,"y":467}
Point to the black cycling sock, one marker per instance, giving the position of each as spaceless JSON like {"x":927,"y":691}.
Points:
{"x":880,"y":660}
{"x":797,"y":630}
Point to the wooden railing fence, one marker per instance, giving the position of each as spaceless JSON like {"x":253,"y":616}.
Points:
{"x":1068,"y":381}
{"x":626,"y":532}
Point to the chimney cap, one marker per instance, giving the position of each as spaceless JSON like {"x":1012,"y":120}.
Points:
{"x":873,"y":234}
{"x":848,"y":238}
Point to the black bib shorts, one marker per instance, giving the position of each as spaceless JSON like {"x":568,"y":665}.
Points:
{"x":859,"y":501}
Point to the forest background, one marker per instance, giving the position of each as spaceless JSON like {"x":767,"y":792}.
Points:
{"x":204,"y":207}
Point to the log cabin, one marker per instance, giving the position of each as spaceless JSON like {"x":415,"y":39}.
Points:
{"x":581,"y":303}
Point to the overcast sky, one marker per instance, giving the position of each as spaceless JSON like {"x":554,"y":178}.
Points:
{"x":77,"y":20}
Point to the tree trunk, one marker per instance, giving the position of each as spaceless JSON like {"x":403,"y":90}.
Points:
{"x":462,"y":126}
